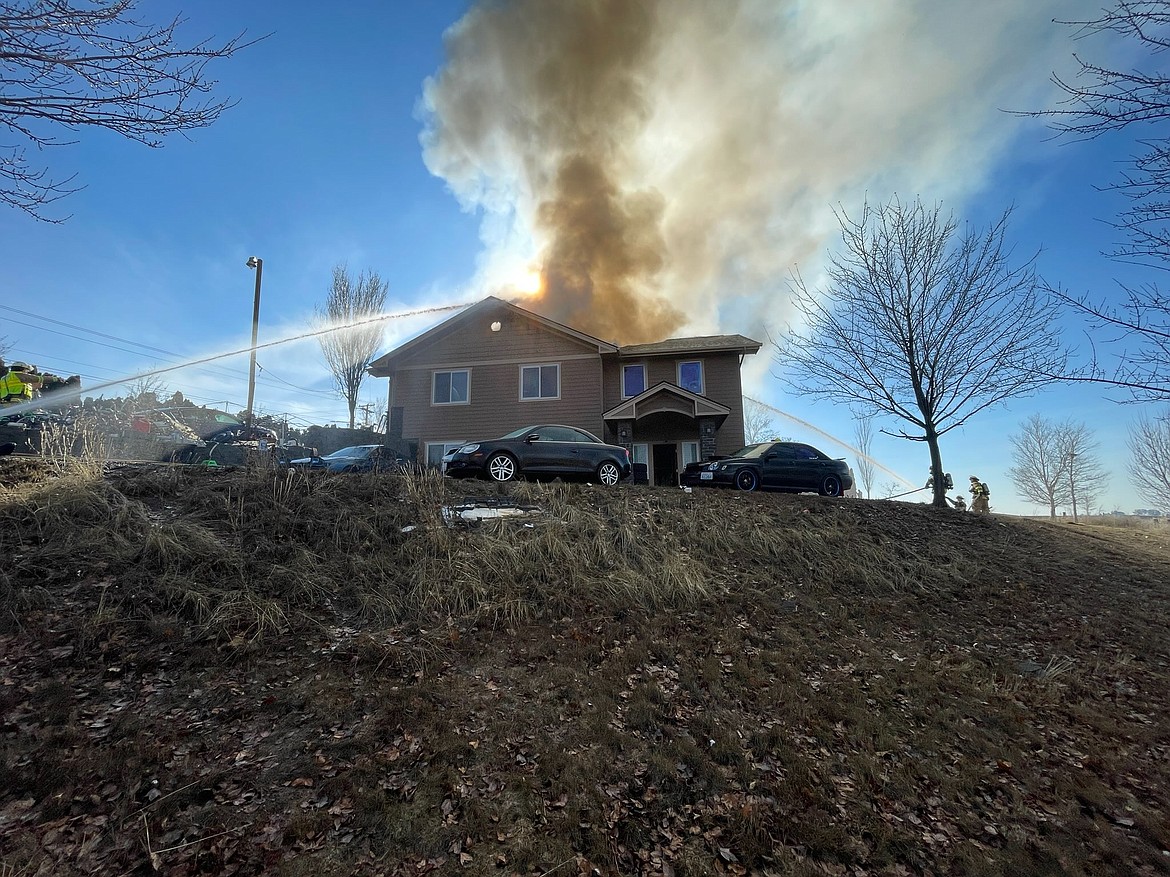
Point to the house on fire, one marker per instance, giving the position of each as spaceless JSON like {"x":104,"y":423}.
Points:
{"x":496,"y":367}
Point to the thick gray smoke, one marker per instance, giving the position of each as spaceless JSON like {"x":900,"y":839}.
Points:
{"x":666,"y":163}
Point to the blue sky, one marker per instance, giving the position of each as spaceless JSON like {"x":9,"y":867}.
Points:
{"x":748,"y":129}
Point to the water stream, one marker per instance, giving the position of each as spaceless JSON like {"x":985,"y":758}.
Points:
{"x":61,"y":397}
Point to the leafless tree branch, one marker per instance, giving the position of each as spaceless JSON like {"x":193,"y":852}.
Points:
{"x":67,"y":64}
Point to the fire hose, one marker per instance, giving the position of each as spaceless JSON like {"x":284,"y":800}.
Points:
{"x":908,"y":492}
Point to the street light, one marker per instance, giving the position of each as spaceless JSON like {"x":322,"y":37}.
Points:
{"x":258,"y":264}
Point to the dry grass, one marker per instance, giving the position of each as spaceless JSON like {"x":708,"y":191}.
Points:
{"x":631,"y":680}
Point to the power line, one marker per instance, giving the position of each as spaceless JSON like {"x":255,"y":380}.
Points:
{"x":281,"y":380}
{"x":114,"y":346}
{"x":315,"y":333}
{"x":90,"y":331}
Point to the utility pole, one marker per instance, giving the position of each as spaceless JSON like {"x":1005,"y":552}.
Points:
{"x":256,"y":264}
{"x":366,"y":409}
{"x":1072,"y":456}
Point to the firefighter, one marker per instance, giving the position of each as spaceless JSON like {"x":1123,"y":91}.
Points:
{"x":959,"y":503}
{"x":980,"y":494}
{"x":19,"y":383}
{"x":947,"y":480}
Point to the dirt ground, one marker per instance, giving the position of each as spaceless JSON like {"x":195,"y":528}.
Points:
{"x":250,"y":672}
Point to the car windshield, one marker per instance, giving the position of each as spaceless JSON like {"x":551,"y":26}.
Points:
{"x":753,"y":450}
{"x":520,"y":433}
{"x":359,"y":452}
{"x":554,"y":433}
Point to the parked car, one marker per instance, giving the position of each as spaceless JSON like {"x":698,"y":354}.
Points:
{"x":789,"y":466}
{"x":239,"y":433}
{"x":237,"y":436}
{"x":358,"y":458}
{"x":544,"y":451}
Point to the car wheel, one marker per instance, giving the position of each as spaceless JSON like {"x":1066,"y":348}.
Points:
{"x":747,"y":479}
{"x":608,"y":474}
{"x":501,"y":467}
{"x":831,"y":486}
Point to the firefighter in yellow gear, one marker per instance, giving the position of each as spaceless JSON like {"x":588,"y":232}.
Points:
{"x":979,"y":496}
{"x":18,"y":384}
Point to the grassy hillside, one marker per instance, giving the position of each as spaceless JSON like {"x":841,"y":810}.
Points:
{"x":216,"y":672}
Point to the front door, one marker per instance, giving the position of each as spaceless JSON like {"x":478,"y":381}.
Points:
{"x":665,"y":466}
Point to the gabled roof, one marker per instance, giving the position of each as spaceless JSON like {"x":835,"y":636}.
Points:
{"x":700,"y":344}
{"x":383,"y":366}
{"x":701,"y":406}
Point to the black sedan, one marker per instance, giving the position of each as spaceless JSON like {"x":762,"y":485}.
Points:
{"x":239,"y":433}
{"x":358,"y":458}
{"x":789,"y":466}
{"x":541,"y":452}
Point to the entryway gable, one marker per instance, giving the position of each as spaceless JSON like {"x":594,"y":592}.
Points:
{"x":666,"y":397}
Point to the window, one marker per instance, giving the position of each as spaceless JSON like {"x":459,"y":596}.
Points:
{"x":641,"y":453}
{"x":540,"y":382}
{"x":690,"y":452}
{"x":451,"y":388}
{"x":690,"y":376}
{"x":436,"y":450}
{"x":633,"y":380}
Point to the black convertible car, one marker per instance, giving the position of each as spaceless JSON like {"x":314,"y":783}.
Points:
{"x":545,"y":451}
{"x":787,"y":466}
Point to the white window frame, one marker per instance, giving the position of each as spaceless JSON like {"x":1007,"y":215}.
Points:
{"x":446,"y":446}
{"x":540,"y":386}
{"x":702,"y":375}
{"x":641,"y":448}
{"x":640,"y":365}
{"x":450,"y":371}
{"x":695,"y":458}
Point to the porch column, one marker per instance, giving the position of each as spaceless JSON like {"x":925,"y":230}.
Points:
{"x":625,"y":435}
{"x":706,"y":438}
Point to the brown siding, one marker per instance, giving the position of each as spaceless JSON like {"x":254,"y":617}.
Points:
{"x":474,"y":341}
{"x":721,"y":378}
{"x":495,"y":407}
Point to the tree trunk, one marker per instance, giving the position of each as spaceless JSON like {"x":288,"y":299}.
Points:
{"x":936,"y":469}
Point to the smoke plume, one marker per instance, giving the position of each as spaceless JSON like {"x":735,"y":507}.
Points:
{"x":667,"y":163}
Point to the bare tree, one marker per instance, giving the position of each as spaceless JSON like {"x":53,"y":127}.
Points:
{"x":1149,"y":460}
{"x":923,"y":323}
{"x":350,"y":308}
{"x":67,"y":64}
{"x":1101,"y":99}
{"x":758,"y":424}
{"x":863,"y":438}
{"x":1055,"y":463}
{"x":145,"y":393}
